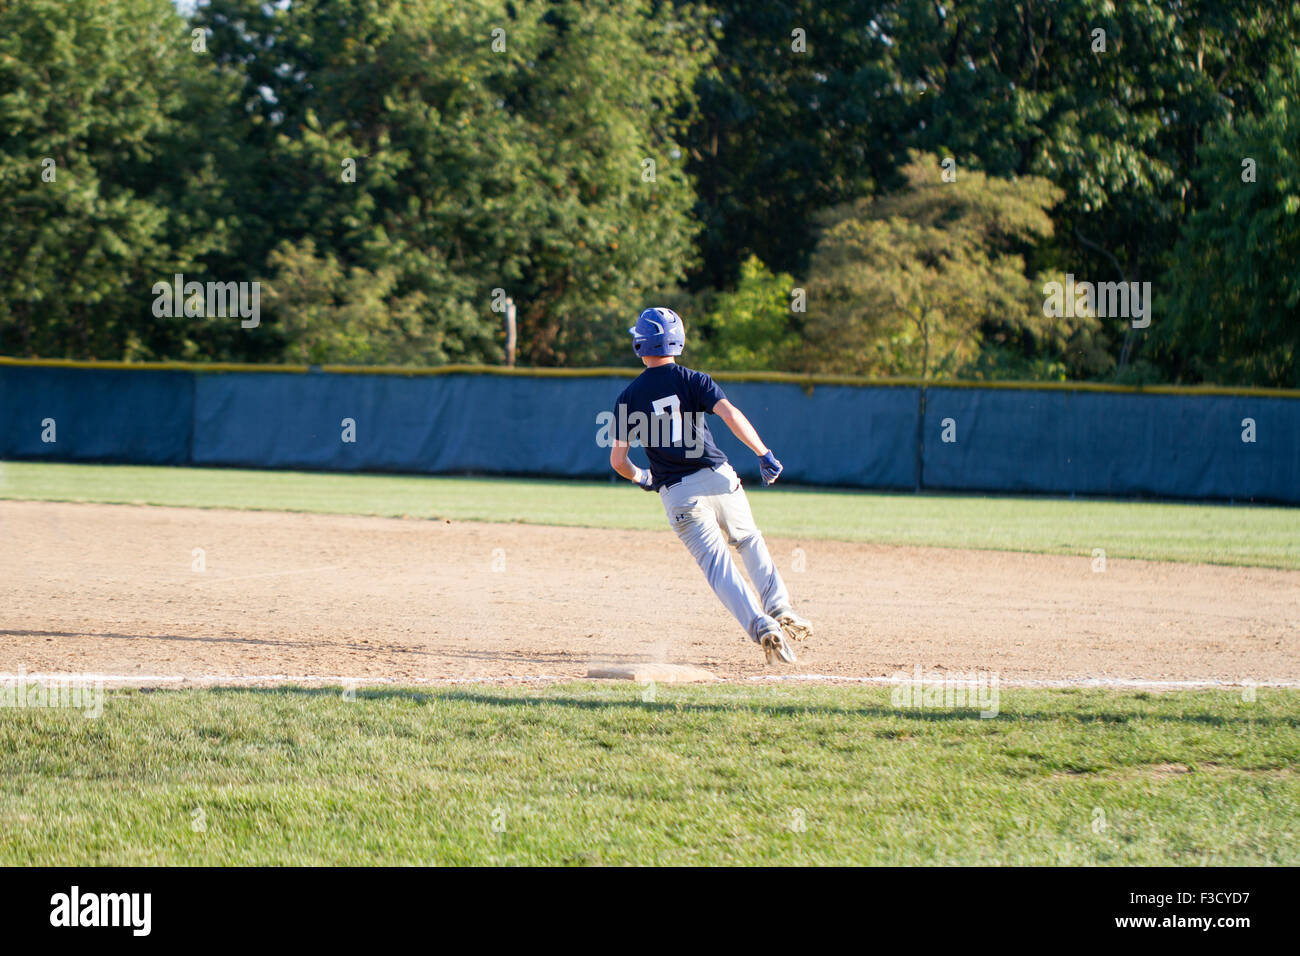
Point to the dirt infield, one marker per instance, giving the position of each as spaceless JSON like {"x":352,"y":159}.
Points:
{"x":113,"y":589}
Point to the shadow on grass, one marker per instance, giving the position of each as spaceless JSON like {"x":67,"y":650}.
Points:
{"x":761,"y":708}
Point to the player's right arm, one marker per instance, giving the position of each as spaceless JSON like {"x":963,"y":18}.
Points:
{"x":618,"y":460}
{"x":618,"y":451}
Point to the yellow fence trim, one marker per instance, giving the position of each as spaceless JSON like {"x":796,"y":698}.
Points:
{"x":781,"y":378}
{"x":153,"y":366}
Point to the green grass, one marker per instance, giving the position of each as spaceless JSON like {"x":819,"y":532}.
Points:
{"x":1268,"y":537}
{"x":587,"y":774}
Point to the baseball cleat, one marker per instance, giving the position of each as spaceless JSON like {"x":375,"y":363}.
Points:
{"x":796,"y":628}
{"x":776,"y":648}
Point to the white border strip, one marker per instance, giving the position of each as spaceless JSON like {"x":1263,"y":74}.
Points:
{"x":234,"y":680}
{"x":1113,"y":683}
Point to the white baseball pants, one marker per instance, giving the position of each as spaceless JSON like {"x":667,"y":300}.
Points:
{"x":709,"y":511}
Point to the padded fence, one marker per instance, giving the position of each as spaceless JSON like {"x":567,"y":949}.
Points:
{"x":992,"y":439}
{"x":437,"y":423}
{"x":77,"y":414}
{"x":1112,"y":443}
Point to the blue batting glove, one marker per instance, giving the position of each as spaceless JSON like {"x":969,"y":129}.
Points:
{"x":769,"y":467}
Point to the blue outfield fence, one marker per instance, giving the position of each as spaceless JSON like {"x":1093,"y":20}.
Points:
{"x":1053,"y":440}
{"x":1110,"y":443}
{"x":144,"y":416}
{"x":452,"y":423}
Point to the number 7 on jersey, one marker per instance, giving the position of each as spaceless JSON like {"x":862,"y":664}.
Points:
{"x":673,"y":404}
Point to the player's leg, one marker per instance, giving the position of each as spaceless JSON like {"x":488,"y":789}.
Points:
{"x":737,"y":518}
{"x":694,"y":519}
{"x":698,"y":530}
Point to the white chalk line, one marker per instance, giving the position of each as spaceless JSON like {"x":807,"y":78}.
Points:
{"x":1113,"y":683}
{"x":238,"y":679}
{"x":1029,"y":682}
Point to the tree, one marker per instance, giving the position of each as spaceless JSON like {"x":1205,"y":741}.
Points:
{"x":108,"y":167}
{"x":797,"y":111}
{"x":1107,"y":101}
{"x":527,"y":147}
{"x":751,"y":328}
{"x":910,"y":282}
{"x":1231,"y":312}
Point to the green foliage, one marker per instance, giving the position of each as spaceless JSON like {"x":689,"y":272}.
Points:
{"x":750,"y":328}
{"x":1007,"y":88}
{"x":108,"y":177}
{"x":1233,"y":287}
{"x":506,"y":144}
{"x":329,"y":315}
{"x":910,"y":282}
{"x":520,"y":167}
{"x":780,"y":134}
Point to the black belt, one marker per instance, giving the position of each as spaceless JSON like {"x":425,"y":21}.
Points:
{"x":680,"y":478}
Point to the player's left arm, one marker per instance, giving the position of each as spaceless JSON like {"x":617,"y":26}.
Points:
{"x":768,"y":466}
{"x":740,"y":426}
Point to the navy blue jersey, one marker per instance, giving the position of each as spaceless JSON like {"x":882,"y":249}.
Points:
{"x":663,"y":412}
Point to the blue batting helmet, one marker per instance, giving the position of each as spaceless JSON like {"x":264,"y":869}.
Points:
{"x":658,"y":332}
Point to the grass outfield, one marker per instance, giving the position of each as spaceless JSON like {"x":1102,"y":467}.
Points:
{"x":579,"y":773}
{"x":1268,"y":537}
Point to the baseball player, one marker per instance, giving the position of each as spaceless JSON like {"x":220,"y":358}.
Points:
{"x":664,"y":410}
